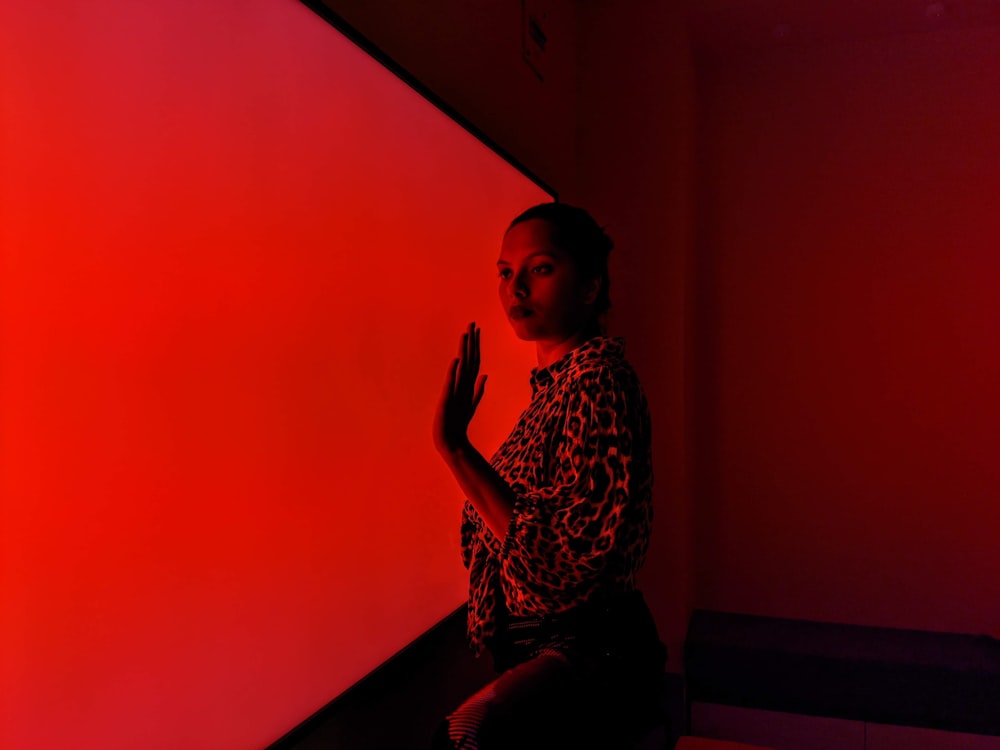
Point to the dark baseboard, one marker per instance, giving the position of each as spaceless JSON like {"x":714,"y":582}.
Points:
{"x":947,"y":681}
{"x":401,"y":703}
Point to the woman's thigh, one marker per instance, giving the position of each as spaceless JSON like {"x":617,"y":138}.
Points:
{"x":550,"y":701}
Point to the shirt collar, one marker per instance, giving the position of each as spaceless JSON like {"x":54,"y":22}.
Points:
{"x":591,"y":350}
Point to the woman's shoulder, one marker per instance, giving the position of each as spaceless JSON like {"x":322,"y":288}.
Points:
{"x":604,"y":365}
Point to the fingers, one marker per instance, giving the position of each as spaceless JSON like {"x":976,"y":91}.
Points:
{"x":470,"y":347}
{"x":480,"y":389}
{"x":468,"y":353}
{"x":475,"y":349}
{"x":463,"y":381}
{"x":449,"y":381}
{"x":474,"y":355}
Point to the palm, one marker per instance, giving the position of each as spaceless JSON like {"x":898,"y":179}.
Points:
{"x":463,"y":389}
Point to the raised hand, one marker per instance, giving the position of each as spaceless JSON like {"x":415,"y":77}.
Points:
{"x":463,"y":389}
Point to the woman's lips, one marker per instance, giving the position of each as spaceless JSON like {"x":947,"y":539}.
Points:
{"x":518,"y":312}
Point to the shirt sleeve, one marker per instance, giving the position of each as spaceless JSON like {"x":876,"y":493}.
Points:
{"x":590,"y":526}
{"x":472,"y":527}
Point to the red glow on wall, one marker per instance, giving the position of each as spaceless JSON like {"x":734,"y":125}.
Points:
{"x":847,"y":336}
{"x":237,"y":256}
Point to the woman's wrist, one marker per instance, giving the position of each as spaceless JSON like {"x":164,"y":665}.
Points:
{"x":488,"y":492}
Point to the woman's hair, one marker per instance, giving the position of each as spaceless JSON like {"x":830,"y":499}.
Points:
{"x":575,"y":232}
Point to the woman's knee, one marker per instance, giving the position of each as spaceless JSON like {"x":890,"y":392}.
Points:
{"x":520,"y":709}
{"x":468,"y":727}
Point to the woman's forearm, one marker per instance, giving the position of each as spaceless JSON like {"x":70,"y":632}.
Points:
{"x":489,"y":494}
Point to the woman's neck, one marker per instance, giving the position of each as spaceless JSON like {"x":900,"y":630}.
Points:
{"x":552,"y":351}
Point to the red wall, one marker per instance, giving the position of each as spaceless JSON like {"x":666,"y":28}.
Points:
{"x":847,"y":368}
{"x":636,"y":173}
{"x":237,"y":256}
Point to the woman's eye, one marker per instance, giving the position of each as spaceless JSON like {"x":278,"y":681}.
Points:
{"x":504,"y":273}
{"x":544,"y":268}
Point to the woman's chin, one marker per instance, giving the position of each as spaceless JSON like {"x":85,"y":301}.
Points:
{"x":525,"y":329}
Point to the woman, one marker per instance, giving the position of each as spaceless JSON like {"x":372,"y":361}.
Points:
{"x":556,"y":525}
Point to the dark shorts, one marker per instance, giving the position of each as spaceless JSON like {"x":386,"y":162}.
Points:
{"x":585,"y":679}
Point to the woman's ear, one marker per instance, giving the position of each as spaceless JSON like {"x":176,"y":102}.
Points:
{"x":591,"y":289}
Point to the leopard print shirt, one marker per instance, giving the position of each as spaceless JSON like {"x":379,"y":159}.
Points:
{"x":579,"y":463}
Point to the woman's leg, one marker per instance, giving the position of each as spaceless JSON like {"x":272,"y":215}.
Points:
{"x":599,"y":691}
{"x":550,"y":701}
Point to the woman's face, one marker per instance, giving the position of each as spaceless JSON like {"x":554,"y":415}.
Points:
{"x":541,"y":289}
